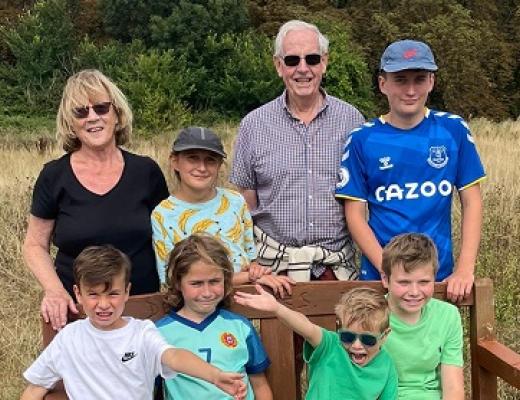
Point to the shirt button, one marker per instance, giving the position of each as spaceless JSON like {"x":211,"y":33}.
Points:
{"x":310,"y":197}
{"x":309,"y":171}
{"x":311,"y":224}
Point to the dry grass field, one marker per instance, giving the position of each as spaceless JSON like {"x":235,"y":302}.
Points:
{"x":20,"y":162}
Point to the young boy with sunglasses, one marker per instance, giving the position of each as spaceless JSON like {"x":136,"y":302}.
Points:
{"x":348,"y":364}
{"x":426,"y":339}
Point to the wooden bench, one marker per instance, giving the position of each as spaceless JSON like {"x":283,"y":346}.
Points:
{"x":489,"y":358}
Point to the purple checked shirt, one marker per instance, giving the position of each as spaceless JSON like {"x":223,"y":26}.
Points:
{"x":294,"y":169}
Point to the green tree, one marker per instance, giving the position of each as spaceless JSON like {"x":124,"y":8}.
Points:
{"x":42,"y":52}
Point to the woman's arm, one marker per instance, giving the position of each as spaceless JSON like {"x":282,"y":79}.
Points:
{"x":56,"y":300}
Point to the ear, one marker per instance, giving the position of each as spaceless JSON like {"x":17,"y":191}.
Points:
{"x":77,"y":292}
{"x":173,"y":162}
{"x":381,"y":82}
{"x":278,"y":64}
{"x":384,"y":280}
{"x":432,"y":81}
{"x":325,"y":61}
{"x":384,"y":337}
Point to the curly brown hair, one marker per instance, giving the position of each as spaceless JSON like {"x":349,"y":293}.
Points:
{"x":197,"y":247}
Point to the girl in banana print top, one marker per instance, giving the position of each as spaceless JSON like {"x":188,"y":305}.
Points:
{"x":197,"y":206}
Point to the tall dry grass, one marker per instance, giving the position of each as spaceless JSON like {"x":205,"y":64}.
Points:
{"x":21,"y":161}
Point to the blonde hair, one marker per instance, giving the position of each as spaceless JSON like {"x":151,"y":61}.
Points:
{"x":365,"y":306}
{"x":197,"y":247}
{"x":81,"y":88}
{"x":410,"y":250}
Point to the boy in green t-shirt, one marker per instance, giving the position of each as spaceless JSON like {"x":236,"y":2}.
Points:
{"x":348,"y":364}
{"x":426,"y":338}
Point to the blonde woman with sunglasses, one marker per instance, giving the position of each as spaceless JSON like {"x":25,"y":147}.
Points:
{"x":96,"y":193}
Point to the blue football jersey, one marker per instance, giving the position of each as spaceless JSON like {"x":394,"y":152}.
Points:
{"x":225,"y":340}
{"x":407,"y":179}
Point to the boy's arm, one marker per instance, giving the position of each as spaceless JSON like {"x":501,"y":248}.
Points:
{"x":295,"y":320}
{"x":186,"y":362}
{"x":452,"y":380}
{"x":261,"y":388}
{"x":460,"y":282}
{"x":355,"y":214}
{"x":34,"y":392}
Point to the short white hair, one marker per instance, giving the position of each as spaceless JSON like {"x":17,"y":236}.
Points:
{"x":297,"y":25}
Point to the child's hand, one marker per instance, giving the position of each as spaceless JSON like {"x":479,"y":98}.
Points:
{"x":280,"y":284}
{"x":256,"y":271}
{"x":232,"y":383}
{"x":263,"y":301}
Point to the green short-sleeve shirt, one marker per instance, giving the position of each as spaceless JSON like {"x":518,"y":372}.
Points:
{"x":333,"y":376}
{"x":419,"y":350}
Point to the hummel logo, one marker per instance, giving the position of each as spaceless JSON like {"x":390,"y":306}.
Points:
{"x":385,"y":163}
{"x":128,"y":356}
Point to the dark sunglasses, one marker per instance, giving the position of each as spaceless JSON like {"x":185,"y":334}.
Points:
{"x":366,"y":339}
{"x":99,"y":109}
{"x":310,"y":59}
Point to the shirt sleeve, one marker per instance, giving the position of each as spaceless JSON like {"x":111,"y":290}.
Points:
{"x":352,"y":183}
{"x":162,"y":242}
{"x":155,"y":346}
{"x":470,"y":168}
{"x":242,"y":171}
{"x":158,"y":187}
{"x":312,"y":355}
{"x":451,"y":352}
{"x":44,"y":370}
{"x":44,"y":204}
{"x":258,"y":360}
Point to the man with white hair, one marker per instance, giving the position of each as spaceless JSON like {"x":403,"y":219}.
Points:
{"x":285,"y":164}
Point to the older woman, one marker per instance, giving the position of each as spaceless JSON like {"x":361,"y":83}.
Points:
{"x":97,"y":193}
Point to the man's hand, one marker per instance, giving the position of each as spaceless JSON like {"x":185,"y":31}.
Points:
{"x":232,"y":383}
{"x":280,"y":284}
{"x":460,"y":284}
{"x":256,"y":271}
{"x":55,"y":306}
{"x":262,"y":301}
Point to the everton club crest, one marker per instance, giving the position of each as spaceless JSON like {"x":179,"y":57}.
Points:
{"x":438,"y":157}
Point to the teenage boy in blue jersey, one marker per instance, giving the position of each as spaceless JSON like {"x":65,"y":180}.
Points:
{"x":405,"y":165}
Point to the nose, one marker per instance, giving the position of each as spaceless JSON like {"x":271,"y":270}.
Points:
{"x":201,"y":165}
{"x":103,"y":302}
{"x":302,"y":66}
{"x":410,"y":89}
{"x":92,"y":115}
{"x":205,"y":291}
{"x":414,"y":289}
{"x":356,"y":344}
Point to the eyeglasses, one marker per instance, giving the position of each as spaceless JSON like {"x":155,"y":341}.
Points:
{"x":366,"y":339}
{"x":310,"y":59}
{"x":99,"y":108}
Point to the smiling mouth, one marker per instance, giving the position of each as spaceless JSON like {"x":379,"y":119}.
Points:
{"x":94,"y":130}
{"x":104,"y":314}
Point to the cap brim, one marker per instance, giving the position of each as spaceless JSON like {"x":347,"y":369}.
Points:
{"x":401,"y":67}
{"x":196,"y":147}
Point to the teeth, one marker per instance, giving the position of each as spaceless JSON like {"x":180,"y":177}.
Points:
{"x":94,"y":129}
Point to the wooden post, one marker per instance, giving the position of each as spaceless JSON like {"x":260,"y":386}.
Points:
{"x":482,"y":327}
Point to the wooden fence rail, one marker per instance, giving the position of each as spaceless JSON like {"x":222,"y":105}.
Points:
{"x":489,"y":358}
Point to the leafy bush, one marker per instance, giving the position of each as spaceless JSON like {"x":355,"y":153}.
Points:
{"x":236,"y":74}
{"x":347,"y":74}
{"x":42,"y":49}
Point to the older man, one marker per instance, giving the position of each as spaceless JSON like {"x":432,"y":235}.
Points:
{"x":286,"y":159}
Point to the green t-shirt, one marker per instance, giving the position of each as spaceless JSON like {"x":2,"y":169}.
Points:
{"x":333,"y":376}
{"x":419,"y":350}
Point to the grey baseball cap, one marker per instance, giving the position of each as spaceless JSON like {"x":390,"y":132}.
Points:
{"x":407,"y":54}
{"x":196,"y":137}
